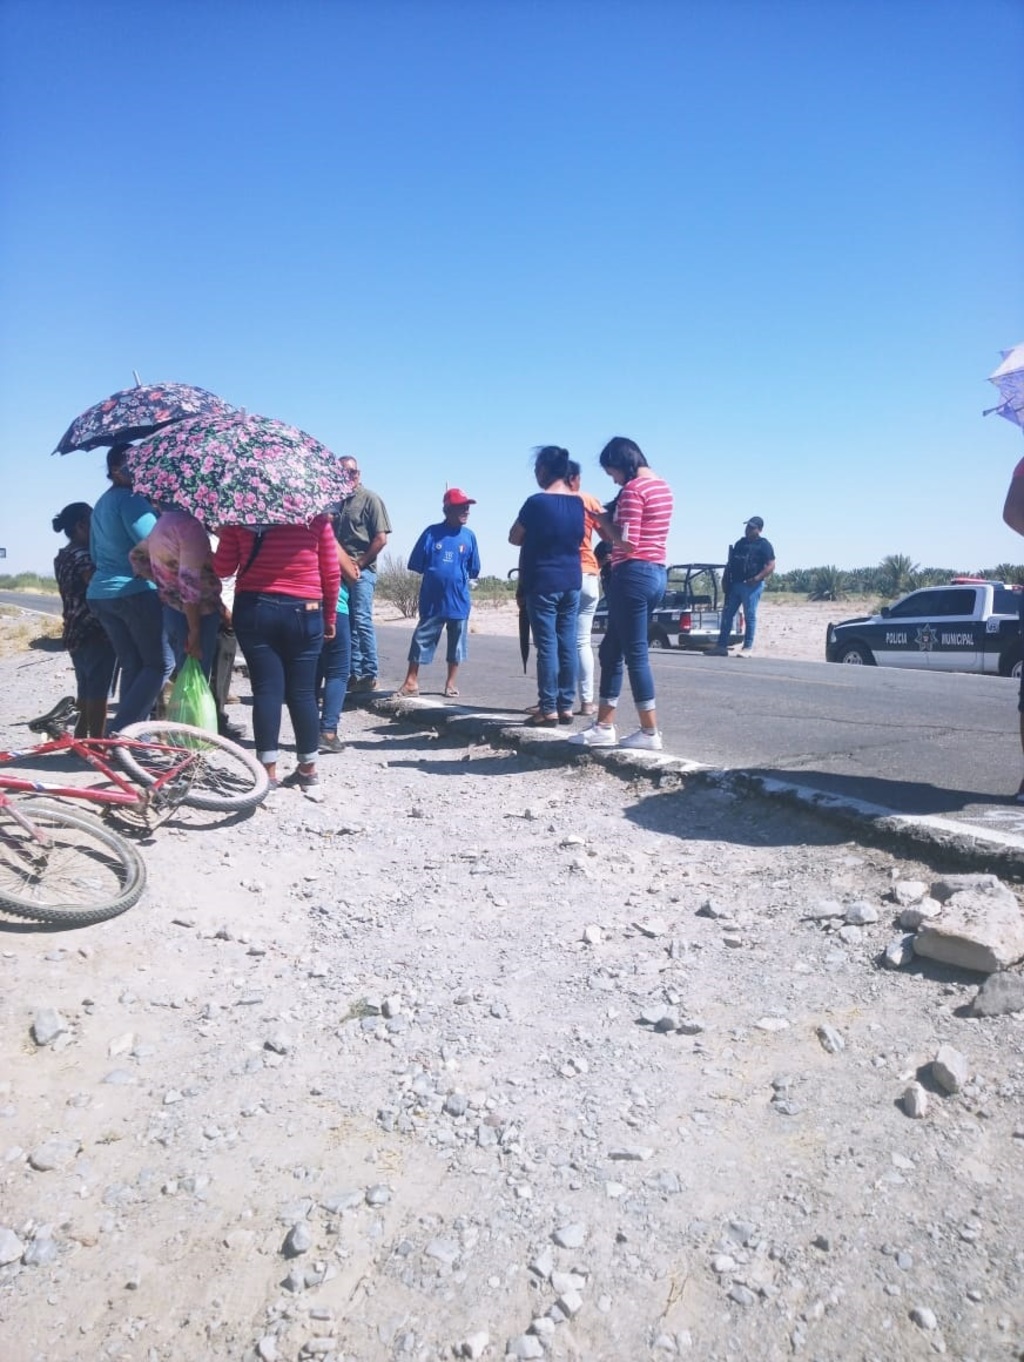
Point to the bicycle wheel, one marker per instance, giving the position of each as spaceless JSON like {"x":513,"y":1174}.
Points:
{"x":216,"y":773}
{"x":74,"y":872}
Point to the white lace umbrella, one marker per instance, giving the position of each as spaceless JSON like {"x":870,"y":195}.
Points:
{"x":1009,"y":379}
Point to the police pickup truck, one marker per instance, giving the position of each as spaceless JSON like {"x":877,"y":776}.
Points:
{"x":970,"y":625}
{"x":690,"y":613}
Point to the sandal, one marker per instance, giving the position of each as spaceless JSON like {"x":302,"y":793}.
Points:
{"x":408,"y":692}
{"x":565,"y":716}
{"x":451,"y":693}
{"x":587,"y":707}
{"x":541,"y":721}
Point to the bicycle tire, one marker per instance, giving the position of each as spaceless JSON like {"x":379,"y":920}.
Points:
{"x":224,"y":778}
{"x":87,"y":872}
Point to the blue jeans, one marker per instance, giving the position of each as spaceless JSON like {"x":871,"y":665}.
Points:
{"x":748,"y":597}
{"x":332,"y":673}
{"x":360,"y":608}
{"x":634,"y":590}
{"x":427,"y":634}
{"x":176,"y":629}
{"x":280,"y":638}
{"x":135,"y":626}
{"x":94,"y":662}
{"x":553,"y":621}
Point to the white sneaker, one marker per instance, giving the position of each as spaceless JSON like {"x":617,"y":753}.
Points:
{"x":597,"y":735}
{"x":744,"y":652}
{"x":646,"y":739}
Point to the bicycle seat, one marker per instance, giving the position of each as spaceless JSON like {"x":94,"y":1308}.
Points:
{"x":61,"y":714}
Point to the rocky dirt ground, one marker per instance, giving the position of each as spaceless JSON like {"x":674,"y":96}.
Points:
{"x":482,"y":1056}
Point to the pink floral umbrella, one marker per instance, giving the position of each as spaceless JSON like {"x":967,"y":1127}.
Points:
{"x":134,"y":413}
{"x":239,"y":470}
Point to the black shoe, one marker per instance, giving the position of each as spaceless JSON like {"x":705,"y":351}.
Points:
{"x":331,"y":744}
{"x":62,"y":713}
{"x":226,"y":729}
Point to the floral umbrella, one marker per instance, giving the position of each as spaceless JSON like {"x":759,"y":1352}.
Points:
{"x":137,"y":412}
{"x":239,"y":470}
{"x":1009,"y":379}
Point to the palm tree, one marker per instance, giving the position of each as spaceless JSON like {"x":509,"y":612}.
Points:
{"x":829,"y":584}
{"x":897,"y":574}
{"x":1007,"y":572}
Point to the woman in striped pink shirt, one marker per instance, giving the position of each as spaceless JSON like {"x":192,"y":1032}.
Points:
{"x":636,"y":585}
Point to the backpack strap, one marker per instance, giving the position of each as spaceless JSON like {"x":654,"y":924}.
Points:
{"x":257,"y":544}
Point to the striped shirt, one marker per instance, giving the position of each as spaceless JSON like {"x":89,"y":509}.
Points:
{"x":643,"y":515}
{"x":293,"y":560}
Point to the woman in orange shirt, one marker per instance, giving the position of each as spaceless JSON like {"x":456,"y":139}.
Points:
{"x":595,"y":521}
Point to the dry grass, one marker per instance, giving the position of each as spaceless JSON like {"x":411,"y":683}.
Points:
{"x":19,"y":633}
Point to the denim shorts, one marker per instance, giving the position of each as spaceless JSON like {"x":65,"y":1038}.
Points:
{"x":94,"y":662}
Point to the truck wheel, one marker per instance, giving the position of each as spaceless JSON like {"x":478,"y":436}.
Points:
{"x":855,"y":655}
{"x":657,"y":638}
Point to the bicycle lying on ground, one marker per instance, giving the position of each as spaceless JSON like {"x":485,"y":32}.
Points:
{"x":62,"y":864}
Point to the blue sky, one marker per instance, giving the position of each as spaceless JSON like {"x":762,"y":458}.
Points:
{"x":777,"y":242}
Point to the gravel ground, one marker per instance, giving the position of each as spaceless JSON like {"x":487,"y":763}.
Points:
{"x":480,"y":1056}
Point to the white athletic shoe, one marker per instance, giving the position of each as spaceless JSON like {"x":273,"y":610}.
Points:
{"x":646,"y":739}
{"x":744,"y":652}
{"x":597,"y":735}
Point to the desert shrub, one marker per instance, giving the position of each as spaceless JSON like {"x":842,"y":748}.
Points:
{"x":398,"y":585}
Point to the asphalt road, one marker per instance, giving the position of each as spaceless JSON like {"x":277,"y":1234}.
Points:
{"x":911,"y":741}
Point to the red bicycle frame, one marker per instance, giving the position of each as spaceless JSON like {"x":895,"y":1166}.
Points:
{"x":91,"y":750}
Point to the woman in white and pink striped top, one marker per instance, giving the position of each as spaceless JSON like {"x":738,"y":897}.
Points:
{"x":636,"y":585}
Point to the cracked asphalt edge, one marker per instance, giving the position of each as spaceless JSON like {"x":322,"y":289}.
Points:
{"x":946,"y":840}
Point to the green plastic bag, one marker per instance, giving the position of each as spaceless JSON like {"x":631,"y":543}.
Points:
{"x":192,"y":699}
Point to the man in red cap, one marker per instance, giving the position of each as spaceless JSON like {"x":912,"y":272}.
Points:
{"x":448,"y":557}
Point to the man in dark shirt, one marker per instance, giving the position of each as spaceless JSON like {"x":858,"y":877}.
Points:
{"x":751,"y":563}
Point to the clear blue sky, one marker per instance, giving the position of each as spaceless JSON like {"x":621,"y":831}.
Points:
{"x":777,"y":242}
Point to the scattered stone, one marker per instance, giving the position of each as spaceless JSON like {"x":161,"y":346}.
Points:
{"x":475,"y":1345}
{"x":633,"y":1154}
{"x":692,"y":1026}
{"x":652,"y":927}
{"x":525,"y":1347}
{"x":924,"y":1318}
{"x":906,"y":892}
{"x":47,"y":1025}
{"x":456,"y":1104}
{"x":911,"y":918}
{"x":998,"y":995}
{"x":949,"y":1069}
{"x":298,"y":1240}
{"x":772,"y":1024}
{"x":742,"y":1295}
{"x":278,"y":1044}
{"x":709,"y":908}
{"x":850,"y":935}
{"x":981,"y":928}
{"x":378,"y":1195}
{"x":831,"y":1040}
{"x":572,"y":1236}
{"x":592,"y":935}
{"x":570,"y":1303}
{"x":860,"y":914}
{"x":915,"y":1100}
{"x":11,"y":1247}
{"x":53,"y":1154}
{"x":899,"y":952}
{"x":40,"y":1253}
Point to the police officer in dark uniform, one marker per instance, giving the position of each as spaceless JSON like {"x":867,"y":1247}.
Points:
{"x":751,"y":563}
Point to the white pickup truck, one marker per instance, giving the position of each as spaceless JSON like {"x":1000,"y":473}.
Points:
{"x":968,"y":625}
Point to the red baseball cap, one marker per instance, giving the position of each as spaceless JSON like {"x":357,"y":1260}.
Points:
{"x":456,"y":497}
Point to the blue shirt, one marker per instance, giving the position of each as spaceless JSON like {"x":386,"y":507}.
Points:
{"x":448,"y":559}
{"x":120,"y":519}
{"x":549,"y":559}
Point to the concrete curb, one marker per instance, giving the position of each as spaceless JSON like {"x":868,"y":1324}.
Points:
{"x":927,"y":836}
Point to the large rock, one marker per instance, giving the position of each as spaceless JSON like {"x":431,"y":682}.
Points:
{"x":981,"y":927}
